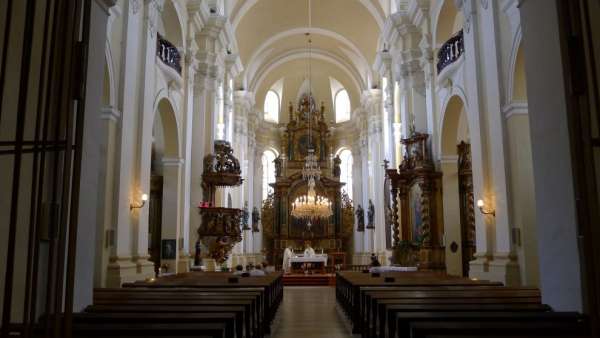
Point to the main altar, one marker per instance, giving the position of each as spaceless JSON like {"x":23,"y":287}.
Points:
{"x":305,"y":131}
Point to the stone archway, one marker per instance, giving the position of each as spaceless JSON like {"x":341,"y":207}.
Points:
{"x":457,"y":188}
{"x":165,"y":204}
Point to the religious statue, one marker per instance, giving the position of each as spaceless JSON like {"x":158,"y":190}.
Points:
{"x":278,"y":166}
{"x":371,"y":215}
{"x":360,"y":218}
{"x":255,"y":219}
{"x":198,"y":254}
{"x":337,"y":171}
{"x":245,"y":216}
{"x":287,"y":255}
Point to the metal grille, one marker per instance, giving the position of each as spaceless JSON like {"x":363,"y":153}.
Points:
{"x":41,"y":81}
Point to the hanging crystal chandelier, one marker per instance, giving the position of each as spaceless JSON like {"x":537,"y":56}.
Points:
{"x":311,"y":205}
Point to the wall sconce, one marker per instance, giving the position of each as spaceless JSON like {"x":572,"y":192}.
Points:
{"x":144,"y":200}
{"x":484,"y":211}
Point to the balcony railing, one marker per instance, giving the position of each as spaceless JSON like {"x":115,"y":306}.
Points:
{"x":450,"y":51}
{"x":168,"y":54}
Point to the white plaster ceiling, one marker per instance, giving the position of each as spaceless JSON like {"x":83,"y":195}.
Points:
{"x":271,"y":38}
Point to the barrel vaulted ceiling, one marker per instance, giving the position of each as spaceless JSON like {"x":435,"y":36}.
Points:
{"x":270,"y":36}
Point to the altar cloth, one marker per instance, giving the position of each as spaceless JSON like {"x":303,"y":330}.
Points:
{"x":380,"y":269}
{"x":314,"y":259}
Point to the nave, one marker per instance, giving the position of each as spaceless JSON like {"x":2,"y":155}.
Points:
{"x":309,"y":312}
{"x":369,"y":304}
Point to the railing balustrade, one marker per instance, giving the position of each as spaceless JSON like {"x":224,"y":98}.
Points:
{"x":450,"y":51}
{"x":168,"y":54}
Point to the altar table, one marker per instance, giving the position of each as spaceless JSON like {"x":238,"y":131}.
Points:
{"x":300,"y":264}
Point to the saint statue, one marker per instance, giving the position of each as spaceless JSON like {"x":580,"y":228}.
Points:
{"x":245,"y":216}
{"x":337,"y":171}
{"x":255,"y":219}
{"x":287,"y":255}
{"x":278,"y":166}
{"x":198,"y":254}
{"x":371,"y":216}
{"x":360,"y":218}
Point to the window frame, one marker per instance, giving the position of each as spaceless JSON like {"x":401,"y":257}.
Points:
{"x":335,"y":106}
{"x":266,"y":114}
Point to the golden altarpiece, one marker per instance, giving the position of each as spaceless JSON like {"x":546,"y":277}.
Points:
{"x":417,"y":222}
{"x":306,"y":129}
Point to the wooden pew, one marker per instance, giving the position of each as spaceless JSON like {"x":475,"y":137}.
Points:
{"x":110,"y":330}
{"x":349,"y":284}
{"x":511,"y":328}
{"x":167,"y":319}
{"x":243,"y":325}
{"x":392,"y":311}
{"x":375,"y":302}
{"x":404,"y":321}
{"x":252,"y":323}
{"x":272,"y":285}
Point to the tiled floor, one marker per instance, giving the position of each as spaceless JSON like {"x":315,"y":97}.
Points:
{"x":309,"y":312}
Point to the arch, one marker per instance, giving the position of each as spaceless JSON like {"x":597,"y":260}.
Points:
{"x":447,"y":21}
{"x":454,"y":127}
{"x":170,"y":130}
{"x":303,"y":54}
{"x":272,"y":106}
{"x":341,"y":105}
{"x":360,"y":61}
{"x":109,"y":78}
{"x":516,"y":85}
{"x":248,"y":4}
{"x":172,"y":24}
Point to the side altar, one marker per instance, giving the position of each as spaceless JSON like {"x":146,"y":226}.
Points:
{"x":306,"y":133}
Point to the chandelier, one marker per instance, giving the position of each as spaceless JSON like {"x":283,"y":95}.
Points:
{"x":311,"y":205}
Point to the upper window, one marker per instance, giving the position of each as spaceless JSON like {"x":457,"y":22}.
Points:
{"x":272,"y":107}
{"x":268,"y":168}
{"x":342,"y":106}
{"x":346,"y":171}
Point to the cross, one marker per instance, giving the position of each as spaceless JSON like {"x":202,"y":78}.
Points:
{"x":386,"y":163}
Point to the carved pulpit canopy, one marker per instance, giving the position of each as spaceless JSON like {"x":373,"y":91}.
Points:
{"x":222,"y":169}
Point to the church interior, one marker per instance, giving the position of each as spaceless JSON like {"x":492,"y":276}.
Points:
{"x":299,"y":168}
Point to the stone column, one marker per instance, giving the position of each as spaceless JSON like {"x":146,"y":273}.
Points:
{"x":359,"y":237}
{"x":147,"y":95}
{"x":483,"y":180}
{"x":120,"y":268}
{"x":504,"y":266}
{"x":189,"y":205}
{"x":365,"y":171}
{"x":373,"y":104}
{"x":205,"y":62}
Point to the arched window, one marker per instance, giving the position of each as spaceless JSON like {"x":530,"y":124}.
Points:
{"x":342,"y":106}
{"x":268,"y":175}
{"x":346,"y":171}
{"x":272,"y":107}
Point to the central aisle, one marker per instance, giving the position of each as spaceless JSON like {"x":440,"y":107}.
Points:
{"x":309,"y":312}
